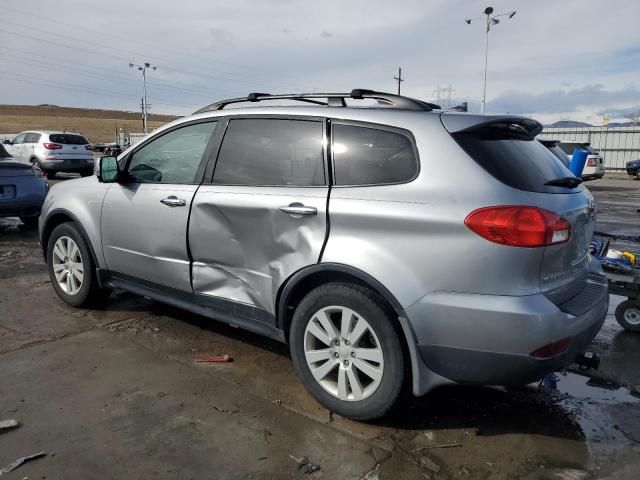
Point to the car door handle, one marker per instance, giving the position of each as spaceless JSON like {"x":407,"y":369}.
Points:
{"x":298,"y":209}
{"x":173,"y":201}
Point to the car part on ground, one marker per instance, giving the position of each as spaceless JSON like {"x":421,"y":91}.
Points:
{"x":342,"y":226}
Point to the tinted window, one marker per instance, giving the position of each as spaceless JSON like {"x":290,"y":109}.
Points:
{"x":513,"y":158}
{"x":67,"y":139}
{"x":271,"y":152}
{"x":560,"y":155}
{"x":32,"y":138}
{"x":368,"y":156}
{"x":173,"y":157}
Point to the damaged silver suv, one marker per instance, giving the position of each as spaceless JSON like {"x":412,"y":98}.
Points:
{"x":391,"y":245}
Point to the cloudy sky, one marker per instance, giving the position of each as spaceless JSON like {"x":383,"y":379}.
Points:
{"x":555,"y":59}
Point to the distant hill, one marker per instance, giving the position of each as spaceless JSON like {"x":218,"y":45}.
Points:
{"x":569,"y":124}
{"x":97,"y":125}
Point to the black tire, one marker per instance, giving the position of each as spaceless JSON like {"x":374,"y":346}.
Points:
{"x":86,"y":173}
{"x":51,"y":174}
{"x":89,"y":291}
{"x":626,"y":311}
{"x":380,"y":318}
{"x":30,"y":221}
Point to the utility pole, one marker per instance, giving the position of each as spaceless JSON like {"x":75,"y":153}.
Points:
{"x":145,"y":104}
{"x":143,"y":116}
{"x":444,"y":93}
{"x":399,"y":79}
{"x":491,"y":20}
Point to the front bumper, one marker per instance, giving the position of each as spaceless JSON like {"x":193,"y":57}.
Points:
{"x":633,"y":171}
{"x":487,"y":339}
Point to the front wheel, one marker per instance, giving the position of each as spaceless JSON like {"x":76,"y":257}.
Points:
{"x":346,"y":350}
{"x":71,"y":267}
{"x":628,"y":315}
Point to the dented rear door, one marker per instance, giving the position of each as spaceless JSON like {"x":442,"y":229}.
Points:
{"x":263,"y":215}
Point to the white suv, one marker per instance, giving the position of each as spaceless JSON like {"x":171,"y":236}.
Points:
{"x":53,"y":151}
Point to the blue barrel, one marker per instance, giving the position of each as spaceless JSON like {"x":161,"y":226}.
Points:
{"x":578,"y":159}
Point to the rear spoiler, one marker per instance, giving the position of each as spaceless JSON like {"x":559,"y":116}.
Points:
{"x":456,"y":123}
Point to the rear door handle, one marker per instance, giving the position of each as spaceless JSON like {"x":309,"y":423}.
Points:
{"x":297,"y":209}
{"x":173,"y":201}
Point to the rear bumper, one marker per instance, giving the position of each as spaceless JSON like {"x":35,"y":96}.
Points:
{"x":592,"y":176}
{"x":67,"y":165}
{"x":18,"y":209}
{"x":486,"y":339}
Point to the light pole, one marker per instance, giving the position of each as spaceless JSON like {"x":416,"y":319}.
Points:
{"x":491,"y":20}
{"x":145,"y":108}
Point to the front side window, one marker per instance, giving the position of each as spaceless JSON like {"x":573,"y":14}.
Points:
{"x":19,"y":139}
{"x":370,"y":156}
{"x":271,"y":152}
{"x":173,"y":157}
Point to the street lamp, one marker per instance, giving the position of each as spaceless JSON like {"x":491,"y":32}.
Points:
{"x":491,"y":20}
{"x":145,"y":109}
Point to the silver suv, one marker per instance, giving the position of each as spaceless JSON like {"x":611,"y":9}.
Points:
{"x":390,"y":246}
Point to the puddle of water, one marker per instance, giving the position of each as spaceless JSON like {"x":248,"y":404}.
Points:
{"x":583,"y":388}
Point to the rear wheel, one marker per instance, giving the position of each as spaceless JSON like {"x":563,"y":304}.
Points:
{"x":71,"y":267}
{"x":51,"y":174}
{"x":346,"y":350}
{"x":86,"y":173}
{"x":628,"y":315}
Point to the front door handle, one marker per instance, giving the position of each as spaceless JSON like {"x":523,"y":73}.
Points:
{"x":298,"y":209}
{"x":173,"y":201}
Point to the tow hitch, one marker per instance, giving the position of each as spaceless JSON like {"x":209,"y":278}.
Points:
{"x":588,"y":360}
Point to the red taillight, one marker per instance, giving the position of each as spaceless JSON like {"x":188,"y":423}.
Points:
{"x":519,"y":226}
{"x":552,"y":349}
{"x":592,"y":162}
{"x":89,"y":147}
{"x":52,"y":146}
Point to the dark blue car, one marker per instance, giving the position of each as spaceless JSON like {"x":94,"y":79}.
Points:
{"x":23,"y":188}
{"x":633,"y":168}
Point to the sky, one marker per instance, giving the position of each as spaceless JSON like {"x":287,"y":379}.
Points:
{"x":554,"y":60}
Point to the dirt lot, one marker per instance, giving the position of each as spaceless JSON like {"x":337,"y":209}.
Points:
{"x":115,"y":393}
{"x":96,"y":125}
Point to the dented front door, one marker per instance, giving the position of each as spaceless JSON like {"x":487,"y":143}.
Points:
{"x":245,"y":241}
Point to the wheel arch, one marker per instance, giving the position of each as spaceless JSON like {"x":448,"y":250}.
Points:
{"x":58,"y":217}
{"x":303,"y":281}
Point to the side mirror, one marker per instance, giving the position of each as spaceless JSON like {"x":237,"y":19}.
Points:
{"x":7,"y":142}
{"x":107,"y":169}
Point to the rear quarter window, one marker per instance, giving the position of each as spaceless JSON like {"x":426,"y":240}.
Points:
{"x":371,"y":156}
{"x":514,"y":159}
{"x":67,"y":139}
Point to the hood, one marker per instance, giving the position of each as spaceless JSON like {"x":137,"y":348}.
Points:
{"x":633,"y":163}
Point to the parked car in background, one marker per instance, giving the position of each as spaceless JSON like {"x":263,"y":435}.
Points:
{"x":53,"y":152}
{"x":554,"y":147}
{"x":341,"y":231}
{"x":633,"y":168}
{"x":23,"y":188}
{"x":594,"y":166}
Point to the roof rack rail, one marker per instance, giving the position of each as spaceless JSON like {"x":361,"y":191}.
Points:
{"x":388,"y":100}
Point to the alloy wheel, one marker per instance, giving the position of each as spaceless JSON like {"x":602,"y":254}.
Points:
{"x":343,"y":353}
{"x":67,"y":265}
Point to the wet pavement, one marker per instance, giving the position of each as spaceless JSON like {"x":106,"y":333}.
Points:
{"x":115,"y":393}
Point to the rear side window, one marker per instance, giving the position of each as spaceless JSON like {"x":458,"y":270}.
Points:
{"x":67,"y":139}
{"x":271,"y":152}
{"x":370,"y":156}
{"x":514,"y":158}
{"x":559,"y":153}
